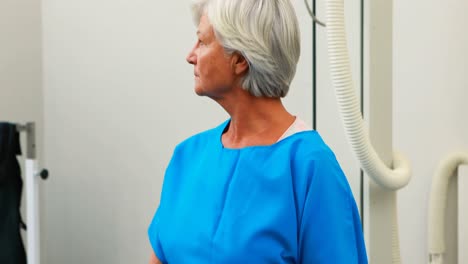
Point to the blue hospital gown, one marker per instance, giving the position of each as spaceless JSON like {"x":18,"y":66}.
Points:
{"x":285,"y":203}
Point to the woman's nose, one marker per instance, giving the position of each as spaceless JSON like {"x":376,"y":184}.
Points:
{"x":192,"y":57}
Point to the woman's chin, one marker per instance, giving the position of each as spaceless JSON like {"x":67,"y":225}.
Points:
{"x":199,"y":91}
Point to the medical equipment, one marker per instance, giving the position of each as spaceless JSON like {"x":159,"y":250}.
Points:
{"x":462,"y":226}
{"x":32,"y":192}
{"x":438,"y":203}
{"x":388,"y":179}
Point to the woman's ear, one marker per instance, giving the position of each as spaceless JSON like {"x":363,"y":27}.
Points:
{"x":240,"y":64}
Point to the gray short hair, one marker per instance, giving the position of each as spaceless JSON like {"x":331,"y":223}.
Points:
{"x":265,"y":32}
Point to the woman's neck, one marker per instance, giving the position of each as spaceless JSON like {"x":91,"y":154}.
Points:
{"x":255,"y":121}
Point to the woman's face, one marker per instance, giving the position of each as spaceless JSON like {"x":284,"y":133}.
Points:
{"x":213,"y":68}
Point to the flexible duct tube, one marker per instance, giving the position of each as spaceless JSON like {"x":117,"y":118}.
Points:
{"x":351,"y":115}
{"x":350,"y":110}
{"x":438,"y":203}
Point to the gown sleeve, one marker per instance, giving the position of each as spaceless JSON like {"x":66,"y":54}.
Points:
{"x":153,"y":234}
{"x":330,"y":227}
{"x":155,"y":226}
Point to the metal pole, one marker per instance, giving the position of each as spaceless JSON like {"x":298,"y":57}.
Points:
{"x":32,"y":193}
{"x":380,"y":214}
{"x":32,"y":212}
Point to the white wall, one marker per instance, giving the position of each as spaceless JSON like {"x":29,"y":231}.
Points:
{"x":20,"y":62}
{"x":21,"y":71}
{"x":118,"y":98}
{"x":430,"y":107}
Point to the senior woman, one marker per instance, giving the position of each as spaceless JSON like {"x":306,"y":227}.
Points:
{"x":260,"y":187}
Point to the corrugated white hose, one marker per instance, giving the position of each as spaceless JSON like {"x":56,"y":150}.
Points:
{"x":350,"y":110}
{"x":438,"y":204}
{"x":351,"y":115}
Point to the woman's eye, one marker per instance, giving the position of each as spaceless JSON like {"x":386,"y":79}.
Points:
{"x":200,"y":43}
